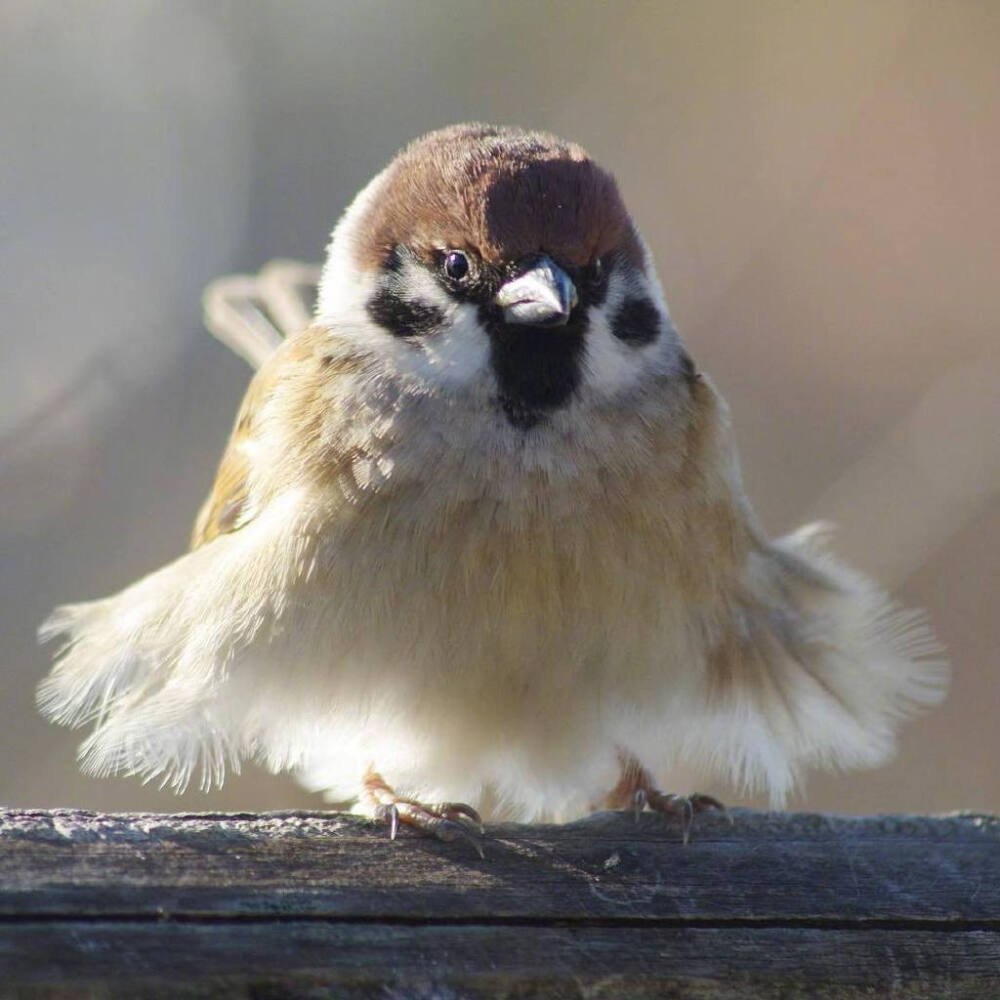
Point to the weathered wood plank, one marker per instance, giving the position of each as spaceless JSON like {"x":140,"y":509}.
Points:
{"x":319,"y":959}
{"x":324,"y":905}
{"x":761,"y":867}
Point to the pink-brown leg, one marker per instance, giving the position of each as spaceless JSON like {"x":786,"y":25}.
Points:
{"x":444,"y":820}
{"x":637,"y":790}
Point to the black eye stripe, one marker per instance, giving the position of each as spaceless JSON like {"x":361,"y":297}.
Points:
{"x":402,"y":317}
{"x":636,"y":322}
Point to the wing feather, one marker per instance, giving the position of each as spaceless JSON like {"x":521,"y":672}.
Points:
{"x":287,"y":384}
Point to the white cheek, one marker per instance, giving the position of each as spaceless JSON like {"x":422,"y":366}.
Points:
{"x":343,"y":308}
{"x":611,"y":366}
{"x":459,"y":355}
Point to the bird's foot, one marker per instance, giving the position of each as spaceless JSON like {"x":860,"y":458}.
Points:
{"x":636,"y":790}
{"x":446,"y":821}
{"x":685,"y":806}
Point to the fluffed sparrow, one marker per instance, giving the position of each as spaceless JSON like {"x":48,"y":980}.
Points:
{"x":479,"y":535}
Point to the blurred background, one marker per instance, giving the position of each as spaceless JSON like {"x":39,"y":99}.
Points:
{"x":818,"y":183}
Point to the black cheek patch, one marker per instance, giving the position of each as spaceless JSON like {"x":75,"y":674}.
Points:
{"x":402,"y":317}
{"x":637,"y":322}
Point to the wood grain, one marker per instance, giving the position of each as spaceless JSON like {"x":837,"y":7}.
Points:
{"x":322,"y":904}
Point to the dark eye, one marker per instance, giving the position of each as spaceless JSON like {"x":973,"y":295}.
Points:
{"x":456,"y":265}
{"x":597,"y":272}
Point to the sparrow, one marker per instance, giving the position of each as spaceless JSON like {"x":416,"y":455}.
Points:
{"x":478,"y":543}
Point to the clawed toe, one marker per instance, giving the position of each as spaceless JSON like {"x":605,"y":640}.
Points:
{"x":459,"y":812}
{"x":639,"y":801}
{"x":637,"y":788}
{"x":447,"y":821}
{"x":450,"y":830}
{"x":685,"y":806}
{"x":707,"y":803}
{"x":388,"y":814}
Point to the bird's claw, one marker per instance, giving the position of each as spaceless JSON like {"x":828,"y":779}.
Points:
{"x":460,"y":812}
{"x":388,"y":814}
{"x":450,"y":830}
{"x":639,"y":801}
{"x":685,"y":806}
{"x":703,"y":803}
{"x":447,"y":821}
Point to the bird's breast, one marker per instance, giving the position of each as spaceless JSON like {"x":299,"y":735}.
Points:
{"x":558,"y":589}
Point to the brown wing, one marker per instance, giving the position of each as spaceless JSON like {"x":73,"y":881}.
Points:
{"x":295,"y":369}
{"x":226,"y":507}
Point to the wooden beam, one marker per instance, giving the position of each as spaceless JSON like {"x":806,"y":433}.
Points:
{"x":322,"y":904}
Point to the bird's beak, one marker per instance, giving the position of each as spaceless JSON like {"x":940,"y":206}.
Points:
{"x":542,"y":296}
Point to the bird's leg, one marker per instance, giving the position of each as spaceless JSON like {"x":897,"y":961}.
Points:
{"x":444,"y":820}
{"x":637,"y":790}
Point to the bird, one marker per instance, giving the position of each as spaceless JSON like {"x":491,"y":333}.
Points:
{"x":478,"y":544}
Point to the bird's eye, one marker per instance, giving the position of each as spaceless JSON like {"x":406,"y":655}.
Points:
{"x":597,"y":271}
{"x":456,"y":265}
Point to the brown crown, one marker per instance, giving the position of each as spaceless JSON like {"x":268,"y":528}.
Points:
{"x":500,"y":192}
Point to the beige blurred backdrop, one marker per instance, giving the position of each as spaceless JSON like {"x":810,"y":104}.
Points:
{"x":818,"y":183}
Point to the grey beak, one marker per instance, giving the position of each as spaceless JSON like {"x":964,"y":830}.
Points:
{"x":543,"y":296}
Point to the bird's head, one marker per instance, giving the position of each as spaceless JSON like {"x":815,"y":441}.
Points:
{"x":500,"y":262}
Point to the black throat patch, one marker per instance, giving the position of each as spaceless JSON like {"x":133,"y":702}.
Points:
{"x":537,"y":368}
